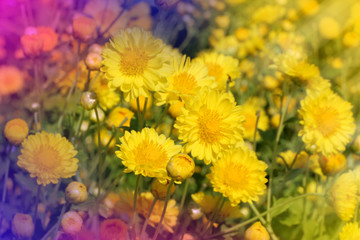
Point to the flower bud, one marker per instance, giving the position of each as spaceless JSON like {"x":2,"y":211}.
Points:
{"x":118,"y":115}
{"x":100,"y":113}
{"x":256,"y":232}
{"x":76,"y":192}
{"x":159,"y":189}
{"x":16,"y":131}
{"x":195,"y":212}
{"x":180,"y":167}
{"x":95,"y":48}
{"x":84,"y":28}
{"x":22,"y":226}
{"x":71,"y":222}
{"x":88,"y":100}
{"x":332,"y":164}
{"x":49,"y":37}
{"x":31,"y":42}
{"x":93,"y":61}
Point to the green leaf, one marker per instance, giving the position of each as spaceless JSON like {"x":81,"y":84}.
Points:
{"x":283,"y":206}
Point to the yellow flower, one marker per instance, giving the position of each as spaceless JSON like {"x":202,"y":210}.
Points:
{"x":220,"y":67}
{"x":144,"y":203}
{"x":16,"y":130}
{"x":268,"y":14}
{"x":107,"y":97}
{"x":146,"y":153}
{"x":208,"y":202}
{"x":185,"y":82}
{"x":351,"y":39}
{"x":175,"y":109}
{"x":256,"y":232}
{"x":239,"y":175}
{"x":134,"y":62}
{"x":327,"y":120}
{"x":105,"y":136}
{"x":211,"y":122}
{"x":289,"y":156}
{"x":333,"y":163}
{"x":48,"y":157}
{"x":11,"y":80}
{"x":344,"y":195}
{"x":118,"y":115}
{"x":249,"y":109}
{"x":65,"y":80}
{"x":308,"y":7}
{"x":329,"y":28}
{"x":350,"y":231}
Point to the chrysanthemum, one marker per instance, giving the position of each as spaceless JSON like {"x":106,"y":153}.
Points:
{"x":144,"y":203}
{"x":11,"y":80}
{"x":134,"y":62}
{"x":107,"y":97}
{"x":48,"y":157}
{"x":186,"y":80}
{"x":220,"y":67}
{"x":146,"y":152}
{"x":343,"y":195}
{"x":208,"y":203}
{"x":65,"y":80}
{"x":211,"y":122}
{"x":239,"y":175}
{"x":249,"y":109}
{"x":111,"y":229}
{"x":350,"y":231}
{"x":328,"y":122}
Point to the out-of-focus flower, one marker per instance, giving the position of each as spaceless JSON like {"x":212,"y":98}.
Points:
{"x":332,"y":164}
{"x":222,"y":21}
{"x":220,"y":67}
{"x":180,"y":167}
{"x":344,"y":194}
{"x":11,"y":80}
{"x":268,"y":14}
{"x":142,"y":99}
{"x":208,"y":203}
{"x":93,"y":61}
{"x":256,"y":232}
{"x":239,"y":175}
{"x":159,"y":189}
{"x":118,"y":115}
{"x":71,"y":222}
{"x":31,"y":42}
{"x":134,"y":62}
{"x":251,"y":109}
{"x":327,"y":120}
{"x":65,"y":80}
{"x":22,"y":226}
{"x":111,"y":229}
{"x":329,"y":28}
{"x":49,"y":37}
{"x":350,"y":231}
{"x":242,"y":33}
{"x":288,"y":158}
{"x":171,"y":214}
{"x":84,"y":28}
{"x":48,"y":157}
{"x":308,"y":7}
{"x":351,"y":39}
{"x":76,"y":192}
{"x":185,"y":82}
{"x":140,"y":16}
{"x":270,"y":83}
{"x":16,"y":130}
{"x":147,"y":153}
{"x":105,"y":136}
{"x":211,"y":123}
{"x":108,"y":97}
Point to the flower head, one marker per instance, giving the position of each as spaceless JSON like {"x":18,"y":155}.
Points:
{"x":210,"y":124}
{"x":134,"y":62}
{"x":239,"y":175}
{"x":71,"y":222}
{"x":146,"y":152}
{"x":113,"y":229}
{"x":22,"y":226}
{"x":186,"y":80}
{"x":48,"y":157}
{"x":327,"y":120}
{"x":350,"y":231}
{"x":16,"y":130}
{"x":256,"y":232}
{"x":11,"y":80}
{"x":107,"y":96}
{"x":220,"y":67}
{"x":118,"y":116}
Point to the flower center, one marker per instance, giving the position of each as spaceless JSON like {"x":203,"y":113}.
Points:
{"x":133,"y":62}
{"x":209,"y":125}
{"x":150,"y":154}
{"x":47,"y":158}
{"x":236,"y":176}
{"x":327,"y":121}
{"x":215,"y":70}
{"x":185,"y":83}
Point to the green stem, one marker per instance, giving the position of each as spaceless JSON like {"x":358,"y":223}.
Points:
{"x":258,"y":113}
{"x":264,"y":222}
{"x":147,"y":218}
{"x":187,"y":182}
{"x":133,"y":220}
{"x":161,"y":116}
{"x":242,"y":224}
{"x":99,"y":152}
{"x":273,"y":159}
{"x":158,"y":227}
{"x":304,"y":200}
